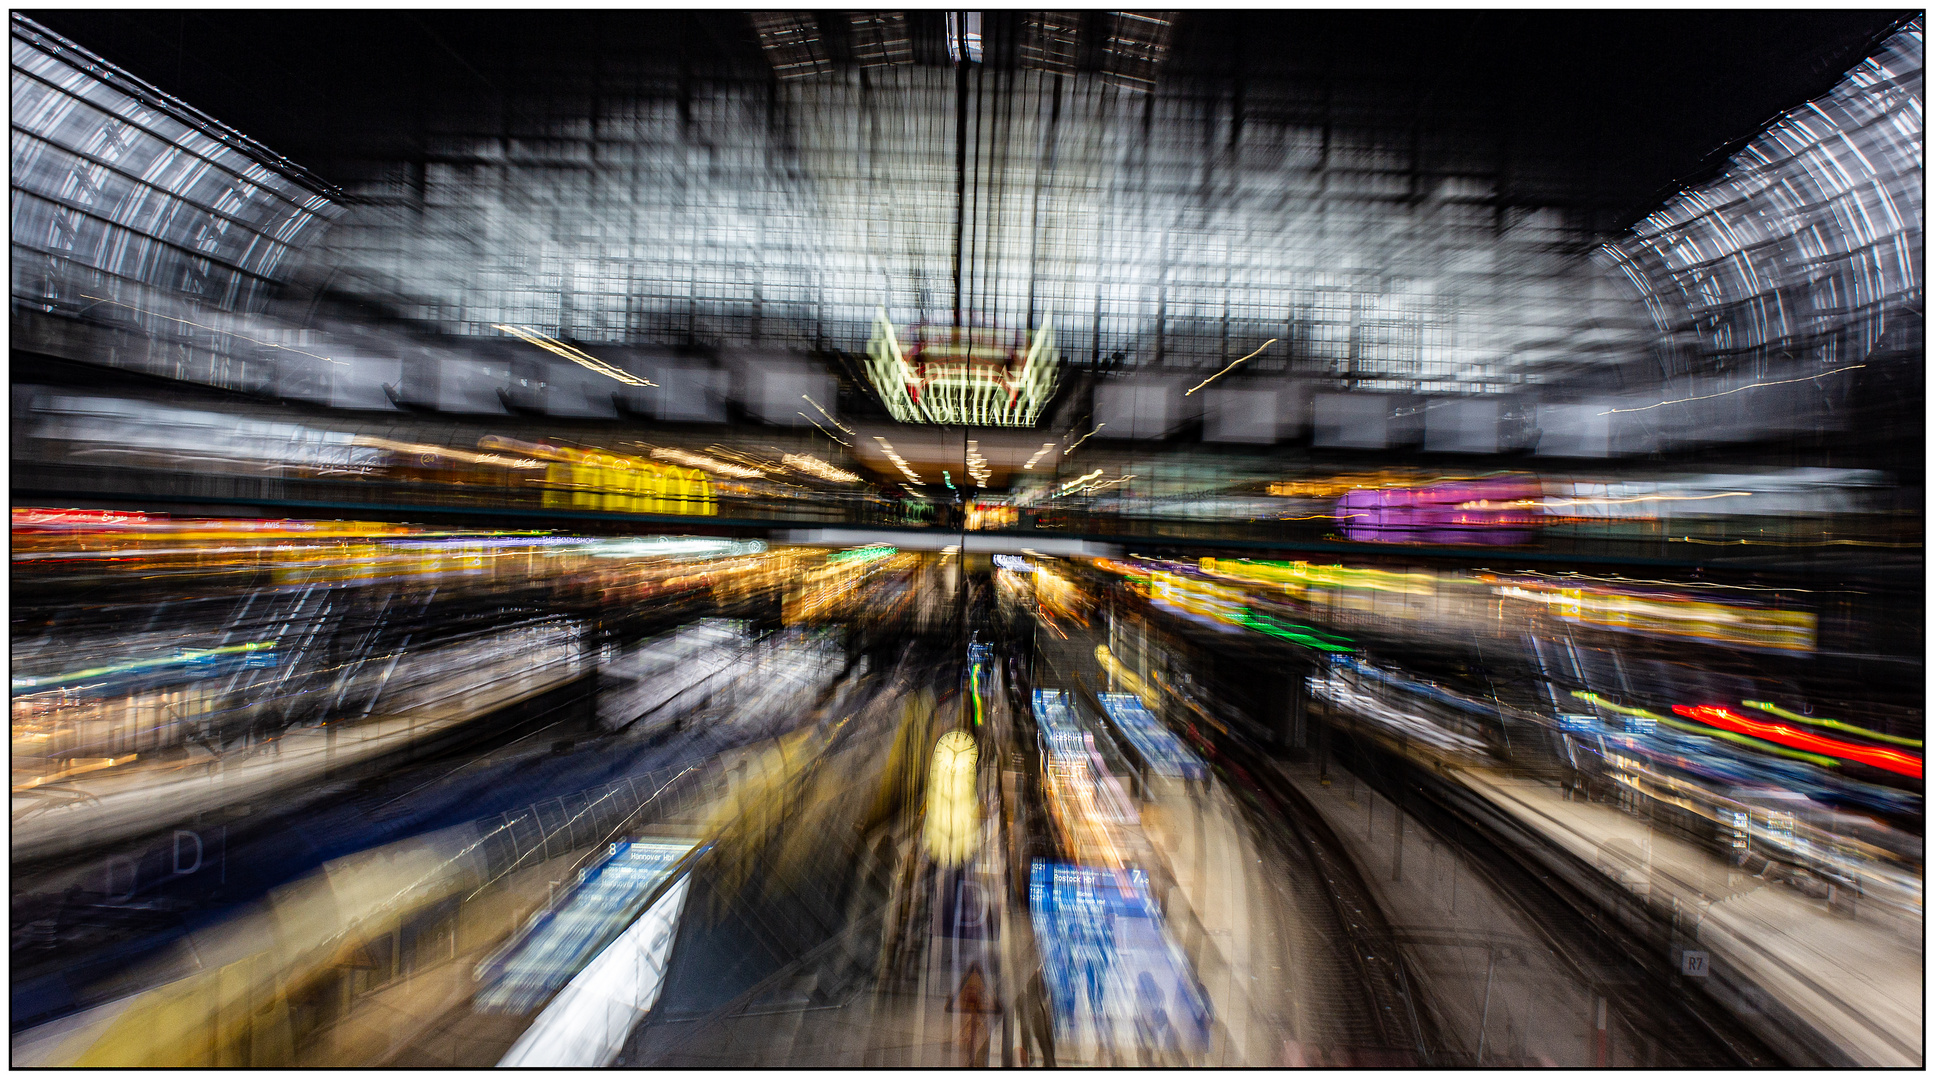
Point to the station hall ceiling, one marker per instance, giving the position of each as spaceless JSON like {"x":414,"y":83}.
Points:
{"x":1406,"y":201}
{"x":1648,"y":97}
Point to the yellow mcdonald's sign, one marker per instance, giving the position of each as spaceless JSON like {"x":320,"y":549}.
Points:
{"x":599,"y":480}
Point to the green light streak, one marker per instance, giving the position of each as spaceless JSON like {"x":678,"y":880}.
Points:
{"x":1770,"y":707}
{"x":865,"y":554}
{"x":1302,"y":635}
{"x":1712,"y":733}
{"x":136,"y":665}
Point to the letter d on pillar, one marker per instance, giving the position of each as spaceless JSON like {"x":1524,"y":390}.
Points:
{"x":179,"y":868}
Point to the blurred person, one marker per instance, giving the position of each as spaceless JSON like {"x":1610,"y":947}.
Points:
{"x":974,"y":1003}
{"x":1154,"y":1035}
{"x":1096,"y":952}
{"x":1037,"y":1025}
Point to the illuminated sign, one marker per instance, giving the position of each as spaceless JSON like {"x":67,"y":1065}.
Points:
{"x":575,"y":1030}
{"x":688,"y":547}
{"x":953,"y":824}
{"x":963,"y":376}
{"x":600,"y":480}
{"x":863,"y":554}
{"x":982,"y":515}
{"x":1672,"y":615}
{"x":555,"y":950}
{"x":1165,"y":753}
{"x":1108,"y":957}
{"x":628,"y":486}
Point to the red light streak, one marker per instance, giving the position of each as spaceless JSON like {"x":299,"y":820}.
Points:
{"x":1049,"y":621}
{"x":1892,"y":760}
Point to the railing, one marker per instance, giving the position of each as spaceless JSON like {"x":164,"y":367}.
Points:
{"x":1685,"y":541}
{"x":477,"y":673}
{"x":512,"y":840}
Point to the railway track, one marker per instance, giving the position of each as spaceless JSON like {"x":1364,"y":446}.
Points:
{"x":1381,"y":1016}
{"x":1687,"y":1029}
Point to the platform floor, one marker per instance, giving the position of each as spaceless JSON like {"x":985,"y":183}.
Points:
{"x":1857,"y":981}
{"x":129,"y":800}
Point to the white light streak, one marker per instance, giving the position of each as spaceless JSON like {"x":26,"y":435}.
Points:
{"x":977,"y":465}
{"x":1557,"y":502}
{"x":1735,"y":390}
{"x":201,"y":326}
{"x":442,"y":451}
{"x":899,"y":462}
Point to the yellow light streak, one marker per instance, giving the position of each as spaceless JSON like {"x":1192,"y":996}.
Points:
{"x":1090,"y":489}
{"x":824,"y":431}
{"x":829,"y":416}
{"x":813,"y":466}
{"x":746,"y":460}
{"x":699,"y":461}
{"x":1078,"y":481}
{"x":1226,"y":370}
{"x":1608,"y":501}
{"x":575,"y":355}
{"x":80,"y":765}
{"x":1128,"y":678}
{"x":1080,"y":441}
{"x":1615,"y":579}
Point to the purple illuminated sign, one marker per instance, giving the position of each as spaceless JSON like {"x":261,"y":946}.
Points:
{"x":1501,"y":511}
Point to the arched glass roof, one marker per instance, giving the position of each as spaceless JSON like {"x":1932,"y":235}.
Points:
{"x":115,"y":183}
{"x":1810,"y":245}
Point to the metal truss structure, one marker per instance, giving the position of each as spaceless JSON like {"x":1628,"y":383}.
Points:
{"x":608,"y":211}
{"x":1809,"y":248}
{"x":621,"y":202}
{"x":116,"y":184}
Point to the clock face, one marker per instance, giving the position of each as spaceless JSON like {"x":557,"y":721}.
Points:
{"x":956,"y":752}
{"x":953,"y":828}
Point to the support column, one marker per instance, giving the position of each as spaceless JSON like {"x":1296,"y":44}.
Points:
{"x":1601,"y":1036}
